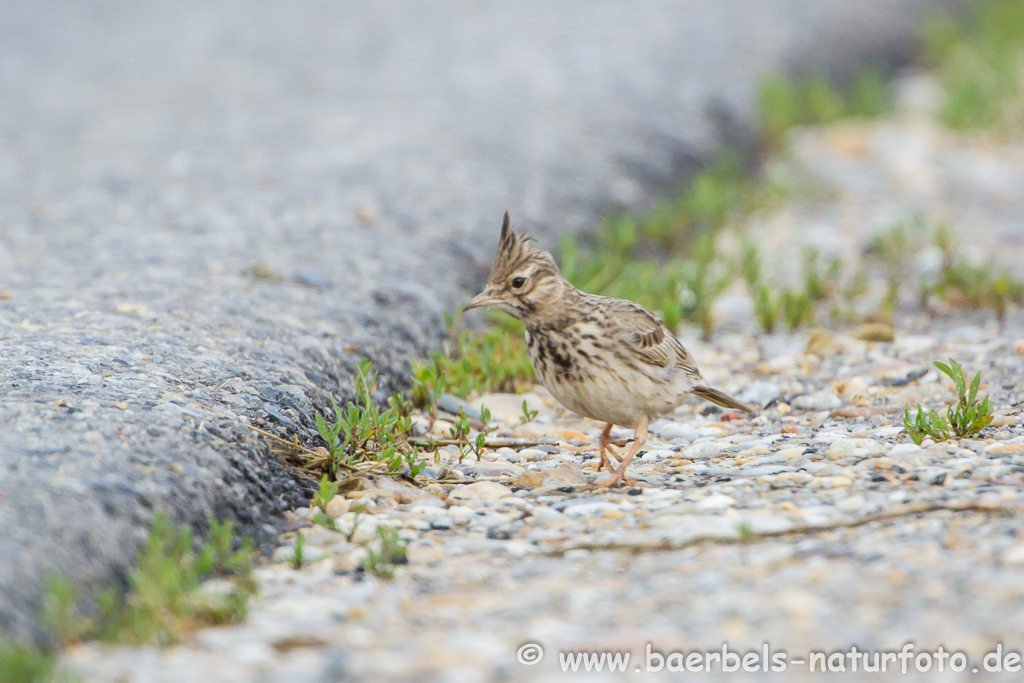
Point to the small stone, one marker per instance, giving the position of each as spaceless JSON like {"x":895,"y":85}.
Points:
{"x":783,"y":409}
{"x":460,"y":514}
{"x":428,"y":502}
{"x":595,"y":509}
{"x":321,"y":536}
{"x":365,"y":529}
{"x":349,"y":559}
{"x":839,"y":482}
{"x":442,"y":428}
{"x":990,"y":500}
{"x":480,"y":490}
{"x":819,"y":400}
{"x":852,"y":388}
{"x":760,"y":392}
{"x":656,"y":454}
{"x":544,"y":515}
{"x":533,"y":454}
{"x":822,"y":344}
{"x":310,"y":553}
{"x":1004,"y":448}
{"x":875,"y":332}
{"x":883,"y":463}
{"x":716,"y":501}
{"x":500,"y":466}
{"x":791,"y":453}
{"x":850,"y":503}
{"x":845,"y":448}
{"x":778,"y":365}
{"x":914,"y":344}
{"x":1014,"y":555}
{"x":337,"y":507}
{"x":424,"y":552}
{"x":908,"y":455}
{"x":798,"y":478}
{"x":676,"y":430}
{"x":566,"y":474}
{"x":702,"y":451}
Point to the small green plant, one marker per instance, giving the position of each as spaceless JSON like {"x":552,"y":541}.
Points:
{"x":428,"y":385}
{"x":60,"y":613}
{"x":328,"y":490}
{"x":362,"y":432}
{"x":926,"y":423}
{"x":163,"y":599}
{"x":797,"y":309}
{"x":979,"y":64}
{"x":766,"y":308}
{"x":963,"y":283}
{"x":324,"y":520}
{"x":391,"y":552}
{"x":892,"y":248}
{"x":460,"y":432}
{"x":967,"y":416}
{"x":750,"y":263}
{"x":489,"y":360}
{"x":666,"y":260}
{"x":298,"y":557}
{"x":26,"y":664}
{"x":820,"y":280}
{"x":357,"y":511}
{"x":702,"y":286}
{"x":528,"y":415}
{"x":963,"y":419}
{"x":813,"y":100}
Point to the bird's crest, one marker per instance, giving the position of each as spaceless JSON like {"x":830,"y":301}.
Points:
{"x":513,"y":251}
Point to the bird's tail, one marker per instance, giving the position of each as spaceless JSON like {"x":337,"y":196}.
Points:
{"x":719,"y":398}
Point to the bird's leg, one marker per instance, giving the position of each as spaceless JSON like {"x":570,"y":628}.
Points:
{"x":638,"y":440}
{"x":605,"y":440}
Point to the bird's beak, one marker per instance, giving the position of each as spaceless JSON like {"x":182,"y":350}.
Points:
{"x":482,"y":300}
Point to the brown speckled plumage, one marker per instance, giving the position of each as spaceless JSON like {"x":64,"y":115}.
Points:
{"x":604,"y":358}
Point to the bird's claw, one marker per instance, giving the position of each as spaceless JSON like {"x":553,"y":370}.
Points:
{"x":615,"y":479}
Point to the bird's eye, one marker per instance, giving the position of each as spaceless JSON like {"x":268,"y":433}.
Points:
{"x":518,"y":282}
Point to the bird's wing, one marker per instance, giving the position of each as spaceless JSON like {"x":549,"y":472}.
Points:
{"x":650,"y":338}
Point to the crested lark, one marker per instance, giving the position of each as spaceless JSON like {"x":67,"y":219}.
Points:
{"x":607,"y":359}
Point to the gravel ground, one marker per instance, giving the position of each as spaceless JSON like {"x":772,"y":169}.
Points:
{"x":813,"y":526}
{"x":353,"y":159}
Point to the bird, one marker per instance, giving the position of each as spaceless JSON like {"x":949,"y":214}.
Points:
{"x":604,"y":358}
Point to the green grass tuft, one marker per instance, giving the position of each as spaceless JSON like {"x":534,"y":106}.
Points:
{"x":363,"y":432}
{"x":481,"y":361}
{"x":964,"y":419}
{"x":25,"y":664}
{"x":164,"y":600}
{"x":980,"y":64}
{"x":813,"y":100}
{"x":390,"y":552}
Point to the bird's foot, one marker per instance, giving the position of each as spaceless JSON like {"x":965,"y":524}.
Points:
{"x":617,"y":477}
{"x":606,"y":462}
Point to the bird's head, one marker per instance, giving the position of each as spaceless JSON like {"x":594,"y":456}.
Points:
{"x":524,"y":282}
